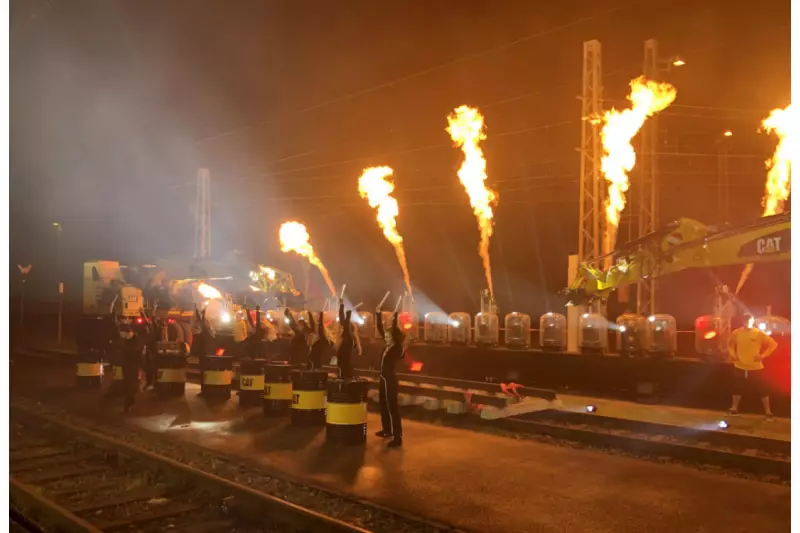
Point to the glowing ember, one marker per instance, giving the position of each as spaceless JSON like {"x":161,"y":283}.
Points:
{"x":208,"y":292}
{"x":466,"y":130}
{"x":294,"y":238}
{"x":619,"y":127}
{"x":376,"y":186}
{"x":779,"y":169}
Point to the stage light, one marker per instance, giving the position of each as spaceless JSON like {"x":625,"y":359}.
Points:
{"x":722,"y":424}
{"x":225,"y":317}
{"x":591,"y":408}
{"x":220,"y":352}
{"x":651,"y":318}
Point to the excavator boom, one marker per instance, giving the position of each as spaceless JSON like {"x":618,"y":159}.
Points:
{"x":683,"y":245}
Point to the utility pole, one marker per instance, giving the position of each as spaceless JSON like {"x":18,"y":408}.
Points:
{"x":202,"y":215}
{"x":723,"y":178}
{"x":59,"y":230}
{"x":24,"y":271}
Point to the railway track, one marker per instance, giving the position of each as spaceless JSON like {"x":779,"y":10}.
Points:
{"x":72,"y":475}
{"x":66,"y":478}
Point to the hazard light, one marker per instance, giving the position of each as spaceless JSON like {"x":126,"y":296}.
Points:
{"x":416,"y":366}
{"x":220,"y":352}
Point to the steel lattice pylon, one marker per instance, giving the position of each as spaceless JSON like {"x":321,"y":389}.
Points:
{"x":592,"y":190}
{"x":646,"y":187}
{"x":202,"y":215}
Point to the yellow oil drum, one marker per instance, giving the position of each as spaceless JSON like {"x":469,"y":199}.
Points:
{"x":346,"y":418}
{"x":89,"y":370}
{"x":277,"y":389}
{"x":217,"y":377}
{"x":251,"y":382}
{"x":170,"y":374}
{"x":308,"y":397}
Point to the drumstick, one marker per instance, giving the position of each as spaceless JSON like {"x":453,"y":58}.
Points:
{"x":341,"y":296}
{"x":399,"y":300}
{"x":384,"y":299}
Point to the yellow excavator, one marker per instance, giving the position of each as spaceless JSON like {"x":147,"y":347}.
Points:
{"x":682,"y":245}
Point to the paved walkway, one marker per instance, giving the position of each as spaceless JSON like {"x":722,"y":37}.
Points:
{"x":475,"y":481}
{"x":746,"y":424}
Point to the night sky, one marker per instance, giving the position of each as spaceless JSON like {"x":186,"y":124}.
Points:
{"x":115,"y":105}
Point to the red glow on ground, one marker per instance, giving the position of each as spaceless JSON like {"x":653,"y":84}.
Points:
{"x":416,"y":366}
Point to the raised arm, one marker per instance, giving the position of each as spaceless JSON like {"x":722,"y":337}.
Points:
{"x":397,"y":334}
{"x":341,"y":313}
{"x":379,"y":321}
{"x":321,"y":326}
{"x":311,"y":320}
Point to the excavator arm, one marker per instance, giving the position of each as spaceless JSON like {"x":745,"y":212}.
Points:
{"x":683,"y":245}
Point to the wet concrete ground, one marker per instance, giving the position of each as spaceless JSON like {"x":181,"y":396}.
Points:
{"x":474,"y":481}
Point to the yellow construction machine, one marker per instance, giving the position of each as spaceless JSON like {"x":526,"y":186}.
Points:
{"x":683,"y":245}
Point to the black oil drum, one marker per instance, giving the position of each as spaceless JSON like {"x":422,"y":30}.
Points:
{"x":277,"y":389}
{"x":346,"y":420}
{"x":251,"y":382}
{"x":217,"y":377}
{"x":89,"y":370}
{"x":171,"y":368}
{"x":308,"y":397}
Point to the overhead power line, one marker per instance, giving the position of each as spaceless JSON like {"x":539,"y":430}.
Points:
{"x":423,"y":72}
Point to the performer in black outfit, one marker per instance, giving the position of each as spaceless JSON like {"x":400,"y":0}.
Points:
{"x":298,"y":346}
{"x":131,"y":347}
{"x":153,"y":331}
{"x":348,"y":340}
{"x":392,"y":353}
{"x":321,"y":343}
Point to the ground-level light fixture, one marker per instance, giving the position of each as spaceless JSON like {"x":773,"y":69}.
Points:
{"x":590,"y":408}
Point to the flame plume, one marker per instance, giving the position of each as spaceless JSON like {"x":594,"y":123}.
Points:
{"x":376,"y":186}
{"x":619,"y":127}
{"x":782,"y":123}
{"x":208,"y":292}
{"x":465,"y":126}
{"x":294,"y":238}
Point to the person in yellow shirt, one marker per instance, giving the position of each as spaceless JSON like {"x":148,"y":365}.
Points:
{"x":748,"y":347}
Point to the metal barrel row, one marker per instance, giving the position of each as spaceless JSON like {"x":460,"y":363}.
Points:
{"x":307,"y":396}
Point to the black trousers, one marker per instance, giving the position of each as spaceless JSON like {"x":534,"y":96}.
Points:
{"x":390,"y":410}
{"x":131,"y":388}
{"x":345,"y":363}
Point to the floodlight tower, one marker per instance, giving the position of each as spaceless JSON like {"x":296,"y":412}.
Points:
{"x":202,"y":215}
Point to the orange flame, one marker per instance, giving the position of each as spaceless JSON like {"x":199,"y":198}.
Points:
{"x":779,"y":169}
{"x":781,"y":122}
{"x":619,"y":127}
{"x":294,"y":238}
{"x":209,"y":292}
{"x":465,"y":126}
{"x":376,"y":186}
